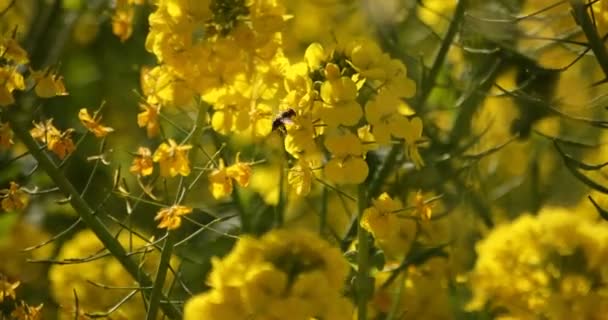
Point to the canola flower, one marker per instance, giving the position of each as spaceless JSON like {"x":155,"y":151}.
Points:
{"x":393,"y":233}
{"x":171,"y":217}
{"x":60,"y":143}
{"x":7,"y":289}
{"x":93,"y":123}
{"x":549,"y":266}
{"x":6,"y":136}
{"x":220,"y":179}
{"x":142,"y":164}
{"x":69,"y":279}
{"x":47,"y":84}
{"x":285,"y":274}
{"x":172,"y":158}
{"x":26,"y":312}
{"x":13,"y":198}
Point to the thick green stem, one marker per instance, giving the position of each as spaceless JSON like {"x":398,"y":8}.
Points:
{"x":363,"y":279}
{"x":161,"y":275}
{"x":595,"y":42}
{"x":85,"y":212}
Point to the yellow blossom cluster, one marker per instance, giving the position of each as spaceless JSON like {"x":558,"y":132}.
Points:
{"x":549,"y":266}
{"x":102,"y":282}
{"x":348,"y":97}
{"x":285,"y":274}
{"x":227,"y":52}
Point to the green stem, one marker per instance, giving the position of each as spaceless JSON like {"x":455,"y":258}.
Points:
{"x":429,"y":82}
{"x":85,"y":212}
{"x":161,"y":275}
{"x":363,"y":279}
{"x":323,"y":213}
{"x":595,"y":42}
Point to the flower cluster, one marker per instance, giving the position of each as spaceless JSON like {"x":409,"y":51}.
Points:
{"x":225,"y":51}
{"x":351,"y":98}
{"x":549,"y":266}
{"x":286,"y":274}
{"x":84,"y":279}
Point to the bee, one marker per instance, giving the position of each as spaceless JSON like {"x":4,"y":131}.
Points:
{"x":283,"y":118}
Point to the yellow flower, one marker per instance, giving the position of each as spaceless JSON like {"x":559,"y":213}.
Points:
{"x":10,"y":80}
{"x":286,"y":274}
{"x":12,"y":51}
{"x":14,"y":199}
{"x":347,"y":170}
{"x":220,"y":180}
{"x":149,"y":118}
{"x":48,"y":84}
{"x":26,"y":312}
{"x":240,"y":172}
{"x":347,"y":165}
{"x":171,"y":217}
{"x":93,"y":123}
{"x":220,"y":183}
{"x":142,"y":163}
{"x":122,"y":22}
{"x":544,"y":266}
{"x":393,"y":234}
{"x":412,"y":134}
{"x":173,"y":159}
{"x":300,"y":177}
{"x":7,"y":289}
{"x":6,"y":136}
{"x":423,"y":209}
{"x":58,"y":142}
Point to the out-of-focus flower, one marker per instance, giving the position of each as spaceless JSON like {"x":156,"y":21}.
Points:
{"x":122,"y":20}
{"x":48,"y":84}
{"x":106,"y":271}
{"x":300,"y":177}
{"x":173,"y":159}
{"x":10,"y":80}
{"x":412,"y":133}
{"x":26,"y":312}
{"x":12,"y":51}
{"x":423,"y":210}
{"x":420,"y":292}
{"x":171,"y":217}
{"x":60,"y":143}
{"x":220,"y":179}
{"x":148,"y":118}
{"x":286,"y":274}
{"x":143,"y":164}
{"x":7,"y":289}
{"x":393,"y":233}
{"x":93,"y":124}
{"x":13,"y":198}
{"x":549,"y":266}
{"x":6,"y":136}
